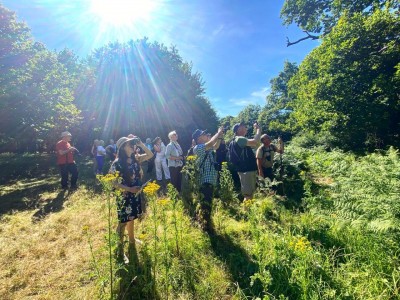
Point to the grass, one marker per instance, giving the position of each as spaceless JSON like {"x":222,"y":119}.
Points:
{"x":300,"y":246}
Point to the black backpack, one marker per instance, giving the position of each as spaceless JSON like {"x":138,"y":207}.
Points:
{"x":243,"y":159}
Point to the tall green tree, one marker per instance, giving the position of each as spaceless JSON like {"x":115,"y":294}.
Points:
{"x":348,"y":86}
{"x":317,"y":18}
{"x":143,"y":88}
{"x":36,"y":89}
{"x":278,"y":108}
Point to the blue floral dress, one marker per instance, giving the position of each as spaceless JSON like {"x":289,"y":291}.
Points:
{"x":129,"y":206}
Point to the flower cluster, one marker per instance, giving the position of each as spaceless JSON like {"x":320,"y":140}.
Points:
{"x":164,"y":202}
{"x":151,"y":189}
{"x":248,"y":203}
{"x":301,"y":244}
{"x":190,"y":158}
{"x":111,"y":177}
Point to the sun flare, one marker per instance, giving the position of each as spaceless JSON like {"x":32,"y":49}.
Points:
{"x":122,"y":12}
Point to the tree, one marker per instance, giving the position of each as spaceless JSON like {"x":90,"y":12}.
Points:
{"x":317,"y":18}
{"x":278,"y":108}
{"x":349,"y":85}
{"x":15,"y":45}
{"x":144,"y":88}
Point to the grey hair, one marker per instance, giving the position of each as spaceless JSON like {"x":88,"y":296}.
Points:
{"x":171,"y":134}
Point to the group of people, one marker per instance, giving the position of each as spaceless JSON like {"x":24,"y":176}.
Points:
{"x":241,"y":154}
{"x":100,"y":154}
{"x":128,"y":153}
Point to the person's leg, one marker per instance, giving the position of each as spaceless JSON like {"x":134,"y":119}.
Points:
{"x":131,"y":234}
{"x":247,"y":184}
{"x":158,"y":169}
{"x":166,"y":170}
{"x":64,"y":176}
{"x":100,"y":163}
{"x":206,"y":190}
{"x":173,"y":174}
{"x":94,"y":165}
{"x":74,"y":174}
{"x":179,"y":179}
{"x":120,"y":233}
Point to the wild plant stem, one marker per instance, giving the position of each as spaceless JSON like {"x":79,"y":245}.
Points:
{"x":109,"y":248}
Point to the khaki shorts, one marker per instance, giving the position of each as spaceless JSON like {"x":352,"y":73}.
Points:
{"x":248,"y":182}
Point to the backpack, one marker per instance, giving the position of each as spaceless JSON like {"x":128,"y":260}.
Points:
{"x":243,"y":159}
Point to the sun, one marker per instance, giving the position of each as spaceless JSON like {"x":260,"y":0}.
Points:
{"x":122,"y":12}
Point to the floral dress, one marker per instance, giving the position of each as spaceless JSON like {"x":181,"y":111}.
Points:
{"x":129,"y":206}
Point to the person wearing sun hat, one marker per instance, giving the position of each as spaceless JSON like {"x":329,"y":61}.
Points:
{"x":207,"y":168}
{"x":127,"y":166}
{"x":65,"y":160}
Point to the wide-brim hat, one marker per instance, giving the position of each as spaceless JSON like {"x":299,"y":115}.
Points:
{"x":197,"y":133}
{"x":155,"y":140}
{"x":122,"y":141}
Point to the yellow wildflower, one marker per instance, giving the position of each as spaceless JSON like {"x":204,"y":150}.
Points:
{"x":151,"y":189}
{"x":301,"y":245}
{"x":85,"y":228}
{"x":164,"y":202}
{"x":190,"y":158}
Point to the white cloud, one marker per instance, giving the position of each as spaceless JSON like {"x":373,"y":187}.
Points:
{"x":256,"y":97}
{"x":234,"y":105}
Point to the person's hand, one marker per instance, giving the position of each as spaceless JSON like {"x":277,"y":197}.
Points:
{"x":220,"y":131}
{"x":280,"y":141}
{"x":256,"y":126}
{"x":134,"y":189}
{"x":73,"y":149}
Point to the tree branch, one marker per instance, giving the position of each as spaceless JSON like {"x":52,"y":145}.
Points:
{"x":309,"y":36}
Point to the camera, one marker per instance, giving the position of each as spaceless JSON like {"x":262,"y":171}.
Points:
{"x":135,"y":141}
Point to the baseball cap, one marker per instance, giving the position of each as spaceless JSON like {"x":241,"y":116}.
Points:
{"x":197,"y":133}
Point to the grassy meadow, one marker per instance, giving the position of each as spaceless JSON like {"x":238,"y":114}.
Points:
{"x":330,"y":232}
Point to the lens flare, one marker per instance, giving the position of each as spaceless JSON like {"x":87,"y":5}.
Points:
{"x":122,"y":12}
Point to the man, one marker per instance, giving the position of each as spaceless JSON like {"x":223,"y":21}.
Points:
{"x":208,"y":173}
{"x":65,"y":160}
{"x":242,"y":156}
{"x":265,"y":156}
{"x":111,"y":150}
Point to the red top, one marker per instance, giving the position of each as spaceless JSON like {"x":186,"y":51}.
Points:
{"x":66,"y":158}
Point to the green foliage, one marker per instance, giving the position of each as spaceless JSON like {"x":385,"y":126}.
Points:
{"x":227,"y":192}
{"x":347,"y":86}
{"x":151,"y":90}
{"x":321,"y":16}
{"x":277,"y":110}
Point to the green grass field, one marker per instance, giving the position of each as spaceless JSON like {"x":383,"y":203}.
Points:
{"x":334,"y":235}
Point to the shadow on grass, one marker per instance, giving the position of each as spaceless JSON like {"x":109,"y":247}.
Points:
{"x":25,"y":197}
{"x":52,"y":206}
{"x":237,"y":261}
{"x":137,"y":281}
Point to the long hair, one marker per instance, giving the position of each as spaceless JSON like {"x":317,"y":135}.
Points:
{"x":122,"y":159}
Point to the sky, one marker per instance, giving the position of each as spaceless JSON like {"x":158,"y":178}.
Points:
{"x":238,"y":46}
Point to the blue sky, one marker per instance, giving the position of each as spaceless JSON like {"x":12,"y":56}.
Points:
{"x":237,"y":45}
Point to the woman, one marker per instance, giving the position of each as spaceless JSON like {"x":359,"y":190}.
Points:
{"x":128,"y":167}
{"x":94,"y":154}
{"x":160,"y":161}
{"x":100,"y":154}
{"x":174,"y":154}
